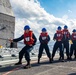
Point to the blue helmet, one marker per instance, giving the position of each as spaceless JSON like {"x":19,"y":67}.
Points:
{"x":44,"y":30}
{"x":59,"y":28}
{"x":65,"y":27}
{"x":74,"y":30}
{"x":26,"y":27}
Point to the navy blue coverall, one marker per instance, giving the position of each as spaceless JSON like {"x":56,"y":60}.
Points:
{"x":44,"y":45}
{"x":66,"y":44}
{"x":58,"y":44}
{"x":26,"y":49}
{"x":73,"y":49}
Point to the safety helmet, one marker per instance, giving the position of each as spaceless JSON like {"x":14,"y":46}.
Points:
{"x":26,"y":27}
{"x":44,"y":30}
{"x":59,"y":28}
{"x":74,"y":30}
{"x":65,"y":27}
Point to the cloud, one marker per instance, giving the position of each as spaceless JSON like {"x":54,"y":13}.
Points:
{"x":69,"y":11}
{"x":30,"y":12}
{"x":65,"y":17}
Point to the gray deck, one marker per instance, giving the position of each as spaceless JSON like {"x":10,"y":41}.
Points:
{"x":45,"y":68}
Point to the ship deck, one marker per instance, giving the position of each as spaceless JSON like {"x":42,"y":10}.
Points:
{"x":44,"y":68}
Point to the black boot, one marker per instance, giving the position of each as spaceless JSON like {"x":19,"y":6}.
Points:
{"x":38,"y":60}
{"x":50,"y":60}
{"x":60,"y":58}
{"x":70,"y":58}
{"x":75,"y":57}
{"x":28,"y":65}
{"x":19,"y":63}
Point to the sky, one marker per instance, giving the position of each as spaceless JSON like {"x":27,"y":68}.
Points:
{"x":43,"y":13}
{"x":60,"y":7}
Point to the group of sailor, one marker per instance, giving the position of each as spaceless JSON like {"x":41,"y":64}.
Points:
{"x":62,"y":37}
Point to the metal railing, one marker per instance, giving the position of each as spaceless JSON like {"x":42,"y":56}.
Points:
{"x":12,"y":53}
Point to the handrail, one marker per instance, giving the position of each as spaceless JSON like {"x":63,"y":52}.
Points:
{"x":14,"y":52}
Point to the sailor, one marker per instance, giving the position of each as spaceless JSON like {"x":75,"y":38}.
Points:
{"x":66,"y":38}
{"x":44,"y":39}
{"x":58,"y":36}
{"x":29,"y":41}
{"x":73,"y":44}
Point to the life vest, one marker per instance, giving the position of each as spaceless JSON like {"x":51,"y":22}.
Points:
{"x":59,"y":35}
{"x":28,"y":40}
{"x":66,"y":33}
{"x":44,"y":36}
{"x":73,"y":36}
